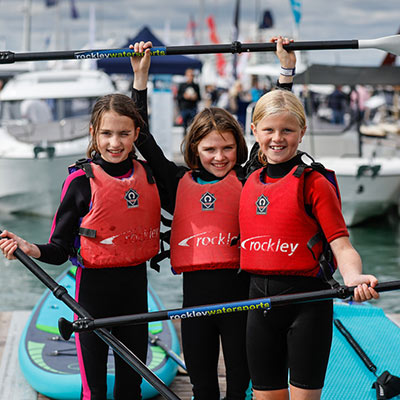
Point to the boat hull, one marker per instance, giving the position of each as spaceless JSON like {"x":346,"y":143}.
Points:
{"x":368,"y":187}
{"x":33,"y":186}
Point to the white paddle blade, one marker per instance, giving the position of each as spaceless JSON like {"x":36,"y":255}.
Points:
{"x":391,"y":44}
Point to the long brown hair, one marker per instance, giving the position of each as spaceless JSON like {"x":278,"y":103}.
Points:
{"x":119,"y":103}
{"x":206,"y":121}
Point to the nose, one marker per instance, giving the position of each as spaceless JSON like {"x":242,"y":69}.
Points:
{"x":219,"y":155}
{"x":114,"y":141}
{"x":277,"y":136}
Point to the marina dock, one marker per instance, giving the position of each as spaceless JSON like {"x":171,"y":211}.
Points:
{"x":14,"y":386}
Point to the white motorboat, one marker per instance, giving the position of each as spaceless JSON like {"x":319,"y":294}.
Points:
{"x":368,"y":186}
{"x":44,"y":121}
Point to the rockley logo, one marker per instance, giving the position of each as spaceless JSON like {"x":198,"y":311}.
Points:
{"x":205,"y":239}
{"x":266,"y":244}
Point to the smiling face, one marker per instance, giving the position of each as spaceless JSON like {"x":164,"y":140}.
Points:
{"x":218,"y":152}
{"x":115,"y":136}
{"x":279,"y":136}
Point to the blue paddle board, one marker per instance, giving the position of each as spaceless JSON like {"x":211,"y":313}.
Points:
{"x":50,"y":364}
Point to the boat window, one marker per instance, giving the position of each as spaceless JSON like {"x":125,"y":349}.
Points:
{"x":10,"y":110}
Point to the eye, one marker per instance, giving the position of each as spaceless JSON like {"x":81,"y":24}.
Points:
{"x":105,"y":133}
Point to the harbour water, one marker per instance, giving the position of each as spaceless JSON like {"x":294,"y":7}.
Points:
{"x":378,"y":242}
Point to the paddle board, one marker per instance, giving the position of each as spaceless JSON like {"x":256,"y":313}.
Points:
{"x":50,"y":364}
{"x":347,"y":376}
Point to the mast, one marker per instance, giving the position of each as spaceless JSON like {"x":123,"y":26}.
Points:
{"x":26,"y":44}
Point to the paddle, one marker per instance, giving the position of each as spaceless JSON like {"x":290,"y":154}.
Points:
{"x":156,"y":341}
{"x":390,"y":44}
{"x":66,"y":327}
{"x":386,"y":385}
{"x":60,"y":292}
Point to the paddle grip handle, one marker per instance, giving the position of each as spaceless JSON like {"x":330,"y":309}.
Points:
{"x":7,"y":57}
{"x":366,"y":360}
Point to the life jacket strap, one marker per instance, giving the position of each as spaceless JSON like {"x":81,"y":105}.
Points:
{"x":91,"y":233}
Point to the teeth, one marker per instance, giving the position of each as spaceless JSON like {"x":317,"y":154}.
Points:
{"x":277,"y":147}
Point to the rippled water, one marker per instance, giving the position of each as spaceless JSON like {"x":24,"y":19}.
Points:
{"x":378,"y":243}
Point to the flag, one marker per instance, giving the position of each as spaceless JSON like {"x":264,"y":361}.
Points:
{"x":191,"y":31}
{"x":267,"y":20}
{"x":50,"y":3}
{"x":74,"y":10}
{"x":235,"y":31}
{"x":296,"y":9}
{"x":221,"y":63}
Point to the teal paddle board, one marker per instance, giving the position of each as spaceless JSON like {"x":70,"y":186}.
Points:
{"x":50,"y":364}
{"x":347,"y":377}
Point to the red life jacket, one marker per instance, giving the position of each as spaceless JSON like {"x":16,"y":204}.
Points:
{"x":205,"y":223}
{"x":122,"y":227}
{"x":277,"y":234}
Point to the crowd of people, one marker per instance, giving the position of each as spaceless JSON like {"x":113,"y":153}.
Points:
{"x":272,"y":242}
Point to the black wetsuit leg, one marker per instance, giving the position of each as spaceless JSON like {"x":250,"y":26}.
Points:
{"x":112,"y":292}
{"x":201,"y":336}
{"x":295,"y":338}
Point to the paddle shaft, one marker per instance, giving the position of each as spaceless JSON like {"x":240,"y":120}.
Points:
{"x":224,"y":308}
{"x":130,"y":358}
{"x":389,"y":43}
{"x":361,"y":353}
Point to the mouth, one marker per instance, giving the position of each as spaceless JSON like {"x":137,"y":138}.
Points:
{"x":276,"y":148}
{"x":115,"y":152}
{"x":219,"y":165}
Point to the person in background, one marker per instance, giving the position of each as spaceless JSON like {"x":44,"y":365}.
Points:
{"x":188,"y":98}
{"x":204,"y":201}
{"x":358,"y":97}
{"x":239,"y":99}
{"x":338,"y":102}
{"x":105,"y":200}
{"x":290,"y":215}
{"x":255,"y":91}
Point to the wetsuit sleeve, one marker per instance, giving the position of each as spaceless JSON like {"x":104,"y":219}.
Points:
{"x":325,"y":206}
{"x":286,"y":86}
{"x":75,"y":199}
{"x":166,"y":172}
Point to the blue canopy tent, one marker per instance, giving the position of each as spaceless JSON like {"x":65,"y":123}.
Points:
{"x":174,"y":64}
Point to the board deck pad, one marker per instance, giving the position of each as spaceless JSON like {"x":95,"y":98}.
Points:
{"x":348,"y":378}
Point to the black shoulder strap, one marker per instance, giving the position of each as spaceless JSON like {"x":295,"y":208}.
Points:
{"x":149,"y":172}
{"x":85,"y":165}
{"x":240,"y":173}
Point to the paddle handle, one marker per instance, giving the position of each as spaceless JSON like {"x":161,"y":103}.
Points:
{"x":365,"y":359}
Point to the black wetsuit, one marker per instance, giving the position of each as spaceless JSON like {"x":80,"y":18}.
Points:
{"x":201,"y":336}
{"x":103,"y":292}
{"x":295,"y":337}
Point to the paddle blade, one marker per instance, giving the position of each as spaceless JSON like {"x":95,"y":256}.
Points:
{"x":387,"y":386}
{"x":391,"y":44}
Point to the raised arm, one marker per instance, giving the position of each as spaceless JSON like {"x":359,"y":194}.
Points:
{"x":165,"y":171}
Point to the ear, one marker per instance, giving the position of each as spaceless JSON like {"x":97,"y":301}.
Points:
{"x":136,"y":135}
{"x":254,"y":130}
{"x":302,"y":133}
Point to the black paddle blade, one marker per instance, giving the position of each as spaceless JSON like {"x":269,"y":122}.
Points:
{"x":387,"y":386}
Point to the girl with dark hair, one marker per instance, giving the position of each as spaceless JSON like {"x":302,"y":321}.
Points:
{"x":204,"y":200}
{"x":107,"y":224}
